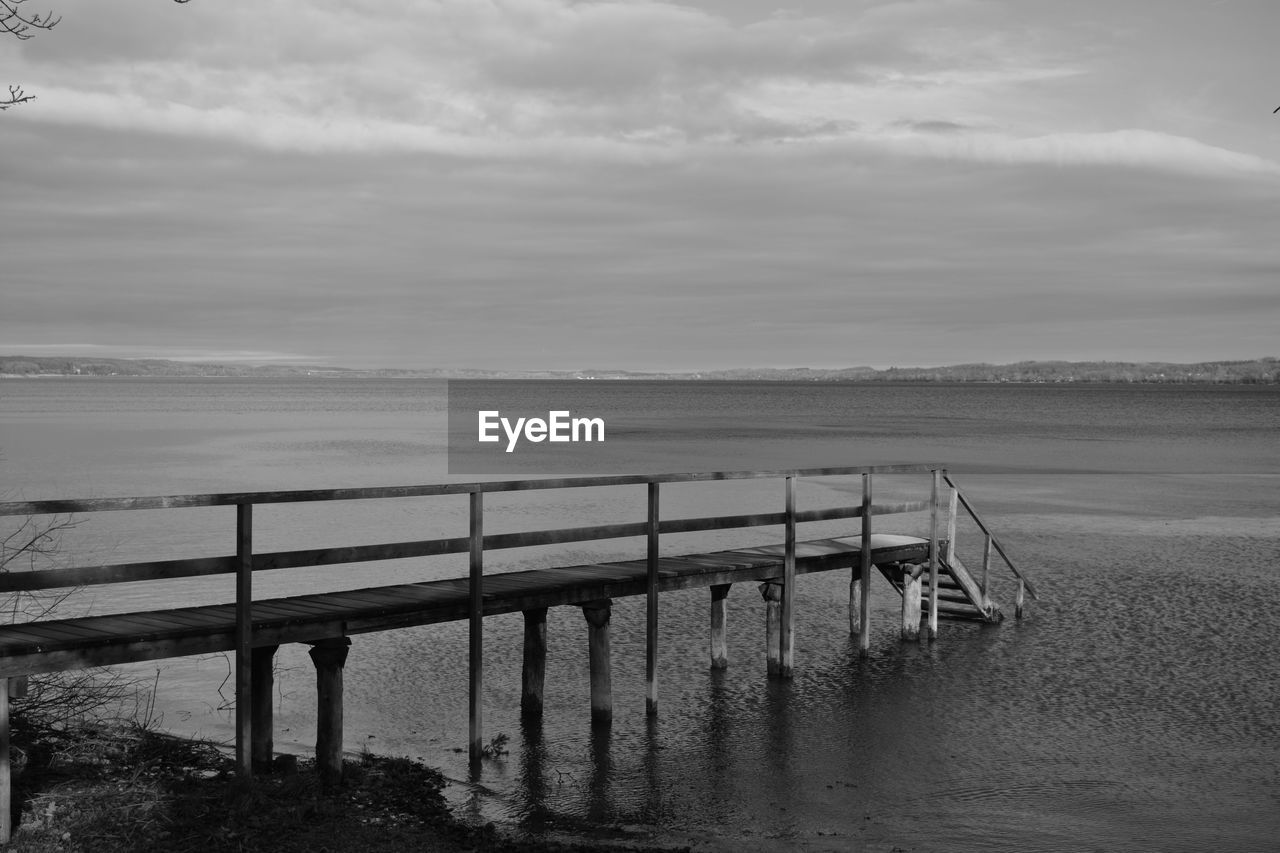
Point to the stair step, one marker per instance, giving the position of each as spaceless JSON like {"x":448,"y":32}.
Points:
{"x":971,"y":614}
{"x":953,"y":599}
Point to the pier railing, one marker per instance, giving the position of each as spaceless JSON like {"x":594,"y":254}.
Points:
{"x":989,"y":541}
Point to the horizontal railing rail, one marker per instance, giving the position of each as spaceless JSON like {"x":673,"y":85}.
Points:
{"x":29,"y":581}
{"x":52,"y":507}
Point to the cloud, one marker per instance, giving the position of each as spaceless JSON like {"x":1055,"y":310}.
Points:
{"x":1130,"y":147}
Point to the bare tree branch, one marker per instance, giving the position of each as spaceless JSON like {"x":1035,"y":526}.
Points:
{"x":16,"y":96}
{"x":19,"y":24}
{"x":14,"y":22}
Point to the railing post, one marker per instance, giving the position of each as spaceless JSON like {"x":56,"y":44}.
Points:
{"x":651,"y":611}
{"x":244,"y":639}
{"x":787,"y":633}
{"x":935,"y":510}
{"x":986,"y":565}
{"x":864,"y":574}
{"x":952,"y":499}
{"x":476,"y":613}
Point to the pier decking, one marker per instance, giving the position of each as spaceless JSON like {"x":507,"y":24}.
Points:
{"x":926,"y":571}
{"x":49,"y":646}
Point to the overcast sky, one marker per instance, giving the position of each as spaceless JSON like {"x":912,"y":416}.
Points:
{"x":644,"y":185}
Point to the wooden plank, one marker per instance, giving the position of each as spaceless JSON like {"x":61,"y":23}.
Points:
{"x":6,"y":778}
{"x":532,"y":538}
{"x":13,"y":639}
{"x":476,"y":629}
{"x":986,"y":564}
{"x":933,"y":554}
{"x":118,"y":573}
{"x":86,"y":505}
{"x":330,"y":604}
{"x":949,"y":548}
{"x":175,"y":620}
{"x":652,"y":525}
{"x":365,"y":599}
{"x":359,"y":553}
{"x":720,"y":522}
{"x":64,"y":633}
{"x":131,"y":625}
{"x":866,"y":546}
{"x":787,"y":627}
{"x":969,"y":589}
{"x":283,"y":608}
{"x":244,"y":639}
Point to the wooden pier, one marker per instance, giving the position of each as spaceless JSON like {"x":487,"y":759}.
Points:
{"x":926,"y":570}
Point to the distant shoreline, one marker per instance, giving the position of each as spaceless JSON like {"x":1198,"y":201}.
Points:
{"x":1263,"y":371}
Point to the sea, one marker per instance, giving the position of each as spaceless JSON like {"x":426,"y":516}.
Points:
{"x":1134,"y":707}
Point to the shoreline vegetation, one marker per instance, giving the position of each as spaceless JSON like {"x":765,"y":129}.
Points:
{"x":1261,"y":371}
{"x":122,"y":786}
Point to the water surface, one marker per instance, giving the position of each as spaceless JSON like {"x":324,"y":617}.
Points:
{"x":1134,"y":708}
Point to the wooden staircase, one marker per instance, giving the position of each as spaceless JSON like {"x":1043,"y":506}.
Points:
{"x":959,"y":595}
{"x":944,"y":588}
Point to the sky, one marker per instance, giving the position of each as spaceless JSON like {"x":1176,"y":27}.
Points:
{"x":638,"y":185}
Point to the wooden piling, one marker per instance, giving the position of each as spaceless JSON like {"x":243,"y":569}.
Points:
{"x":719,"y":640}
{"x":855,"y":603}
{"x":911,"y":585}
{"x":329,"y":657}
{"x":10,"y":688}
{"x":534,"y":672}
{"x":597,"y":614}
{"x":6,"y":777}
{"x":772,"y":594}
{"x":263,"y":750}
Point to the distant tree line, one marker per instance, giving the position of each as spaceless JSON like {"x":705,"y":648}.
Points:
{"x":1256,"y":371}
{"x":41,"y":366}
{"x":1264,"y":370}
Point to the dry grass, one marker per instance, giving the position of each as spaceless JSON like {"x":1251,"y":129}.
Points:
{"x":126,"y":788}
